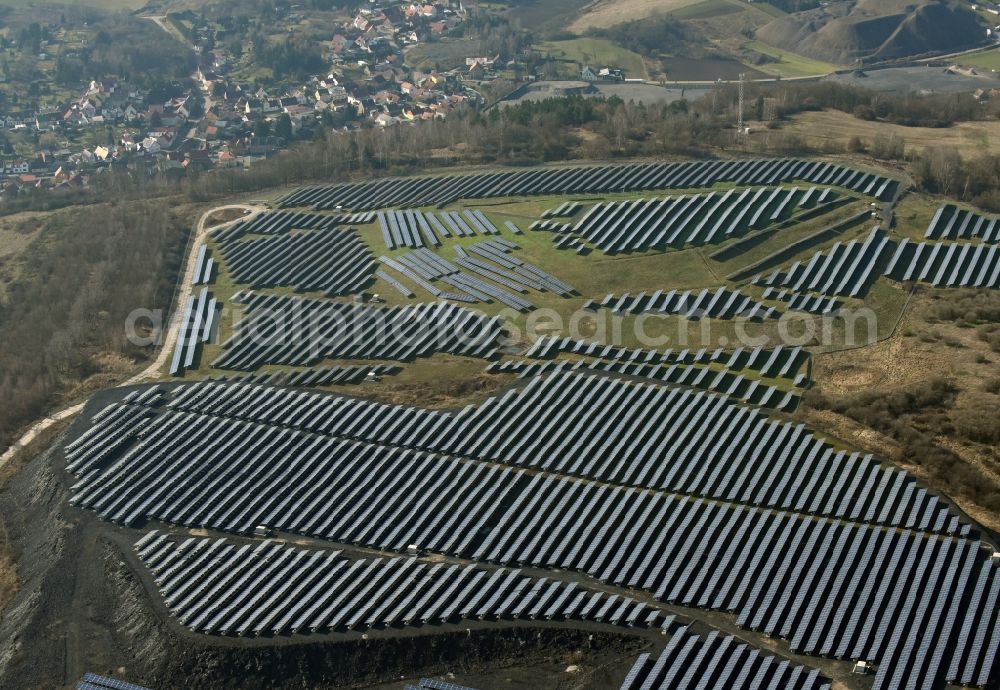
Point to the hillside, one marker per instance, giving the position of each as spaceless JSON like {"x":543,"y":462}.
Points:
{"x":844,"y":32}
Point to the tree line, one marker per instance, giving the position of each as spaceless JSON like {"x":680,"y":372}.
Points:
{"x":574,"y":128}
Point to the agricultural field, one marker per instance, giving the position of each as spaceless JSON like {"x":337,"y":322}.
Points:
{"x":445,"y":54}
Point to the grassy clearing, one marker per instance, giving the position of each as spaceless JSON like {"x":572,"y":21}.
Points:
{"x":789,"y":64}
{"x":597,"y":52}
{"x":866,"y":321}
{"x":438,"y":382}
{"x":984,"y":59}
{"x":16,"y":234}
{"x":914,"y":215}
{"x":447,"y":54}
{"x":834,"y":129}
{"x":225,"y":216}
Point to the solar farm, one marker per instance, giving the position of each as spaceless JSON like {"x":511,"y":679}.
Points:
{"x":277,"y":486}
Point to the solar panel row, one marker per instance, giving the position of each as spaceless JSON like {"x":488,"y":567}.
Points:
{"x":717,"y":661}
{"x":432,"y":684}
{"x":721,"y":303}
{"x":670,"y":439}
{"x":280,"y":222}
{"x":498,"y":251}
{"x":804,"y":302}
{"x":513,"y":227}
{"x":946,"y":264}
{"x":336,"y":262}
{"x":567,"y":209}
{"x":561,"y":228}
{"x":733,"y":386}
{"x":846,"y":270}
{"x":395,"y":284}
{"x":92,"y":681}
{"x":711,"y":218}
{"x":849,"y":269}
{"x":400,"y":192}
{"x":778,"y":362}
{"x":419,"y":229}
{"x":430,"y":267}
{"x":974,"y":661}
{"x":295,"y":331}
{"x":488,"y":261}
{"x":217,"y":587}
{"x":204,"y":267}
{"x":198,"y":323}
{"x":570,"y":242}
{"x":953,"y":223}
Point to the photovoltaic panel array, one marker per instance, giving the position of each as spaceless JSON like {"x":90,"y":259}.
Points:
{"x":567,"y":209}
{"x":695,"y":500}
{"x":844,"y":270}
{"x":778,"y":362}
{"x":419,"y":229}
{"x":831,"y":588}
{"x":281,"y":222}
{"x":296,"y":331}
{"x":498,"y":251}
{"x":221,"y":588}
{"x":699,"y":219}
{"x":848,"y":270}
{"x":947,"y":264}
{"x":336,"y":262}
{"x":953,"y":223}
{"x":486,"y":272}
{"x":717,"y":661}
{"x":204,"y":267}
{"x":317,"y":485}
{"x":592,"y":427}
{"x":92,"y":681}
{"x":719,"y":303}
{"x":198,"y":323}
{"x":434,"y":684}
{"x":803,"y":301}
{"x":424,"y":266}
{"x":402,"y":192}
{"x":730,"y":384}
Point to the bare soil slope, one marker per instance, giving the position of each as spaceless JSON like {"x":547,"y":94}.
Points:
{"x":844,"y":32}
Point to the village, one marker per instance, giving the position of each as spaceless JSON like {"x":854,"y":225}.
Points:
{"x":223,"y":119}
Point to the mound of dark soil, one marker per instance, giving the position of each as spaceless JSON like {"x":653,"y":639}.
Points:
{"x":844,"y":32}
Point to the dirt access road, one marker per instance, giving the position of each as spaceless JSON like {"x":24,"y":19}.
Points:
{"x":167,"y":344}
